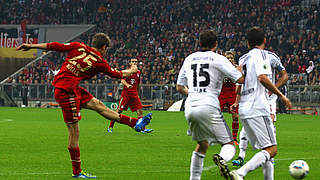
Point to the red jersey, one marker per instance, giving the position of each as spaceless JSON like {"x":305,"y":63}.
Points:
{"x":134,"y":80}
{"x":228,"y":88}
{"x":82,"y":62}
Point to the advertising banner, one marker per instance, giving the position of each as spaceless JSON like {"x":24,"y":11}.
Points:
{"x":10,"y":39}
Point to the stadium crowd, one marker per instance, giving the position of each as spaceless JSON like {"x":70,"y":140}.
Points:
{"x":161,"y":33}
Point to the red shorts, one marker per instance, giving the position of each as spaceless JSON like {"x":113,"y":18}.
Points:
{"x":227,"y":102}
{"x":70,"y":102}
{"x":132,"y":101}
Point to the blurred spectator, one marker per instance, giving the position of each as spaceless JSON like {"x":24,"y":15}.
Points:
{"x":161,"y":33}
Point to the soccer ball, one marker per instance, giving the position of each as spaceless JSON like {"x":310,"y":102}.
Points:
{"x":298,"y":169}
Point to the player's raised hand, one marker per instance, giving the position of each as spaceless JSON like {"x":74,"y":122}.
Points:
{"x":24,"y":47}
{"x":129,"y":86}
{"x":133,"y":68}
{"x":233,"y":107}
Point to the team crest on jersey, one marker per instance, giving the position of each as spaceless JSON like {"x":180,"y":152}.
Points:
{"x":265,"y":66}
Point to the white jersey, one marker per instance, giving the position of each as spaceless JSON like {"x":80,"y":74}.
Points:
{"x":203,"y":73}
{"x":276,"y":66}
{"x":253,"y":100}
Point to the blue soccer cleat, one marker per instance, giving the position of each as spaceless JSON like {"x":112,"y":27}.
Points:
{"x":142,"y":122}
{"x":109,"y":130}
{"x":147,"y":131}
{"x":238,"y":162}
{"x":84,"y":175}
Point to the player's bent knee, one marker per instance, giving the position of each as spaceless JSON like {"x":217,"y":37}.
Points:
{"x":272,"y":150}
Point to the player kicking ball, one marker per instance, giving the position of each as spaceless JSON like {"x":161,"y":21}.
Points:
{"x":83,"y":62}
{"x":130,"y":96}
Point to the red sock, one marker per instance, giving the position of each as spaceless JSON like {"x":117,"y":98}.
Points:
{"x":75,"y":159}
{"x":235,"y":128}
{"x":130,"y":121}
{"x":111,"y":124}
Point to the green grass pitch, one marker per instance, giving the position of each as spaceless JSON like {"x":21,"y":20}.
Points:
{"x":33,"y":145}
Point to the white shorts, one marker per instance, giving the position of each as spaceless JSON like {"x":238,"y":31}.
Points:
{"x":260,"y":131}
{"x":206,"y":123}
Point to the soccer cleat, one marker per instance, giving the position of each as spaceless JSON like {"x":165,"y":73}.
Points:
{"x":84,"y":175}
{"x":147,"y":131}
{"x":238,"y":162}
{"x":109,"y":130}
{"x":235,"y":176}
{"x":222,"y":165}
{"x":142,"y":122}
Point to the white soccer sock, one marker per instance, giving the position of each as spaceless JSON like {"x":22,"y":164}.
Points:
{"x":268,"y":170}
{"x":257,"y":160}
{"x":227,"y":152}
{"x":243,"y":144}
{"x":196,"y":165}
{"x":242,"y":153}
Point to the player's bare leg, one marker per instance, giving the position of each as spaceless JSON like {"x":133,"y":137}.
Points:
{"x":111,"y":125}
{"x":98,"y":106}
{"x":235,"y":127}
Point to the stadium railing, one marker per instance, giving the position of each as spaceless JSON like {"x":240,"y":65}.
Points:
{"x":149,"y":93}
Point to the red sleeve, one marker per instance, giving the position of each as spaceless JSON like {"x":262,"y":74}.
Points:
{"x":112,"y":72}
{"x":55,"y":46}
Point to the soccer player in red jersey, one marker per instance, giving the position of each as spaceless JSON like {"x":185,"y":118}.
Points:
{"x":83,"y":62}
{"x":130,"y":96}
{"x":227,"y":98}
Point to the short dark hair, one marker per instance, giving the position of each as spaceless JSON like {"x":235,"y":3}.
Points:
{"x":208,"y":39}
{"x":100,"y":39}
{"x":255,"y":36}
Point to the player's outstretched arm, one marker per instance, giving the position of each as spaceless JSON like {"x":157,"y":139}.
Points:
{"x":26,"y":47}
{"x":128,"y":72}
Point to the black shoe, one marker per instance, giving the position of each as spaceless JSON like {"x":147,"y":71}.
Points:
{"x":222,"y":164}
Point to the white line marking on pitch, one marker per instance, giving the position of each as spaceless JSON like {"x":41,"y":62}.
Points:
{"x":6,"y":120}
{"x":284,"y":159}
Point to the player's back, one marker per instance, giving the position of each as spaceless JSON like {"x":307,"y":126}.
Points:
{"x":253,"y":101}
{"x":204,"y":73}
{"x":82,"y":62}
